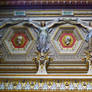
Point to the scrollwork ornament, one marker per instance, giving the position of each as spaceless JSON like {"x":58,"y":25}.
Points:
{"x":42,"y":61}
{"x":88,"y":58}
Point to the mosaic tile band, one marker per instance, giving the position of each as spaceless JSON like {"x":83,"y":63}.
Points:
{"x":45,"y":85}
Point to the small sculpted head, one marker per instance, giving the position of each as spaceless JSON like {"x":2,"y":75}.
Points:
{"x":43,"y":24}
{"x":90,"y":24}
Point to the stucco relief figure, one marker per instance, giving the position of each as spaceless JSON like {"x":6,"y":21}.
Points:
{"x":87,"y":29}
{"x":43,"y":31}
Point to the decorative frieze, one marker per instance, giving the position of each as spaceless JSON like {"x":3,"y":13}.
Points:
{"x":46,"y":13}
{"x":45,"y":85}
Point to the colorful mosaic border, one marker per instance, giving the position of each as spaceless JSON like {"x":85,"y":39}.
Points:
{"x":46,"y":84}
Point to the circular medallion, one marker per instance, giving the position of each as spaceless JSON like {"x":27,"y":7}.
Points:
{"x":67,"y":40}
{"x":19,"y":40}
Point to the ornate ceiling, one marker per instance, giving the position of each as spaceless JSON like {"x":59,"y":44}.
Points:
{"x":65,"y":66}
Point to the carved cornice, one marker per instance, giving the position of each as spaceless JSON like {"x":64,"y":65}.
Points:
{"x":44,"y":4}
